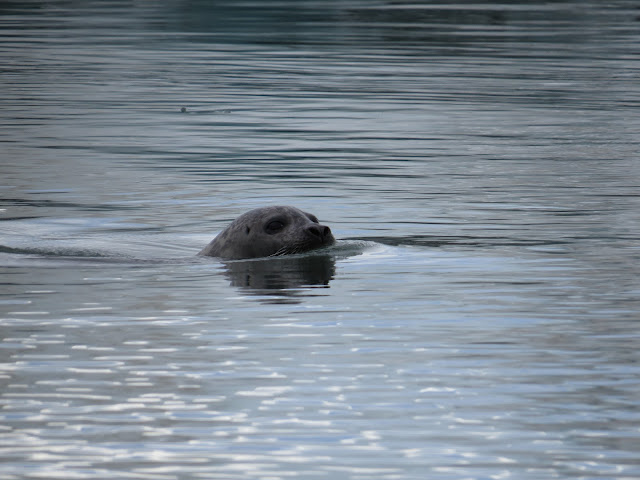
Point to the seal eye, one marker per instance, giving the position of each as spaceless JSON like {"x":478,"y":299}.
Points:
{"x":274,"y":226}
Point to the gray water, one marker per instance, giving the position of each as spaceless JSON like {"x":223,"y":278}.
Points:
{"x":477,"y":162}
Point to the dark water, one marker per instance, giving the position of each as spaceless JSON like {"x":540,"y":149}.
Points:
{"x":478,"y":162}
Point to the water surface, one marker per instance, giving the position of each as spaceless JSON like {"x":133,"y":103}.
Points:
{"x":478,"y":163}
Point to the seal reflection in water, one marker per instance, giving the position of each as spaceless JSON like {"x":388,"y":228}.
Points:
{"x":267,"y":232}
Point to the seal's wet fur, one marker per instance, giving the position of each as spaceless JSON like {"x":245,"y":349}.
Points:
{"x":269,"y":231}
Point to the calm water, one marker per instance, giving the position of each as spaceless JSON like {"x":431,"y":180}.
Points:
{"x":478,"y":162}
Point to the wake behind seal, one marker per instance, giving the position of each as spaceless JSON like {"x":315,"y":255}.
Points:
{"x":269,"y":231}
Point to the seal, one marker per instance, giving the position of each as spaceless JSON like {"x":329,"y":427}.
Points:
{"x":268,"y":232}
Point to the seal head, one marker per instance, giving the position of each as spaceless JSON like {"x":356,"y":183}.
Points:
{"x":267,"y":232}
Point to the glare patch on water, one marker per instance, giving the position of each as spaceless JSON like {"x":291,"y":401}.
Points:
{"x":264,"y":391}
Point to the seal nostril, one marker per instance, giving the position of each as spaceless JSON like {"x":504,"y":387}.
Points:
{"x":315,"y":230}
{"x":321,"y":232}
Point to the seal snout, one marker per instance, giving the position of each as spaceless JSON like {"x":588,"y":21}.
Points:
{"x":321,"y":233}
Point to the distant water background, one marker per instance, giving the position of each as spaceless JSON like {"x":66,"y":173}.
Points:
{"x":478,"y":162}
